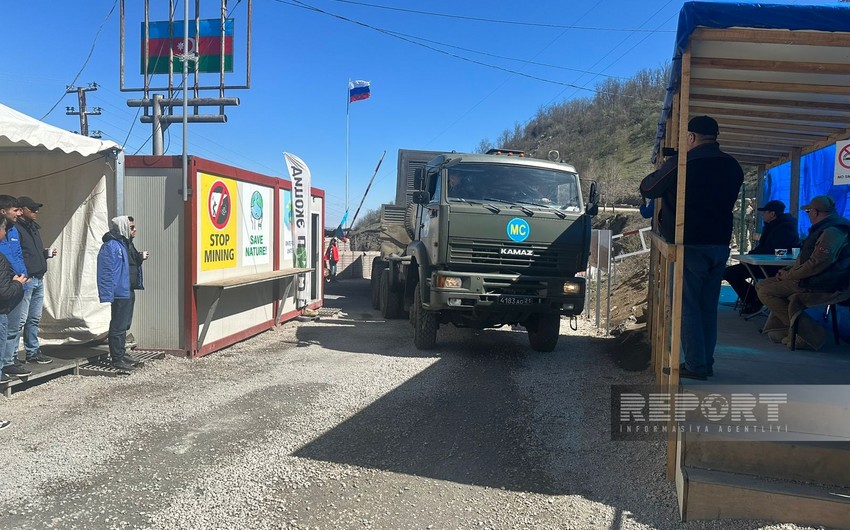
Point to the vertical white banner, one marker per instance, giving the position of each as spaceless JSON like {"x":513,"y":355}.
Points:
{"x":287,"y":256}
{"x":299,"y":174}
{"x":842,"y":163}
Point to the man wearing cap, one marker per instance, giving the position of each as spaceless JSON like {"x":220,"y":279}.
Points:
{"x":780,"y":231}
{"x":821,"y":272}
{"x":35,"y":259}
{"x":713,"y":181}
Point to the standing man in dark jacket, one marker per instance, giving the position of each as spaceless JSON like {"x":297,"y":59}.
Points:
{"x":780,"y":231}
{"x":35,"y":259}
{"x":137,"y":283}
{"x":821,"y":271}
{"x":714,"y":179}
{"x":11,"y":294}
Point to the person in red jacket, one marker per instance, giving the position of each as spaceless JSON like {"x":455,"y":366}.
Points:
{"x":332,"y":257}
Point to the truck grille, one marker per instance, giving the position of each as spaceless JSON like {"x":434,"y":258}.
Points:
{"x":468,"y":251}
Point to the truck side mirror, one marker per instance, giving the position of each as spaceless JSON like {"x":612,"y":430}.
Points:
{"x":418,"y":177}
{"x":420,"y":197}
{"x":592,"y":206}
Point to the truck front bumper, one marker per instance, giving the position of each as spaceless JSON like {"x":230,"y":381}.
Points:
{"x":506,"y":293}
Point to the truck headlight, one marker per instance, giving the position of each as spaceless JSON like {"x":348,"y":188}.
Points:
{"x":449,"y":281}
{"x":572,"y":288}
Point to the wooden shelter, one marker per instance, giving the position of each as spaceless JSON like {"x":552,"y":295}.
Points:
{"x":777,"y":80}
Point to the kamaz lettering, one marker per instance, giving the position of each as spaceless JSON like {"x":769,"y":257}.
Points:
{"x":516,"y":252}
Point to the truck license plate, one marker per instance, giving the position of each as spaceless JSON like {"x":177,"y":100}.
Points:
{"x":517,"y":300}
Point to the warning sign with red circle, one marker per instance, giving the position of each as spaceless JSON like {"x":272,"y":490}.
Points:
{"x":217,"y":214}
{"x":842,"y":163}
{"x":219,"y":204}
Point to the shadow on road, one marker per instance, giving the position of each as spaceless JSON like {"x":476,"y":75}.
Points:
{"x":463,"y":419}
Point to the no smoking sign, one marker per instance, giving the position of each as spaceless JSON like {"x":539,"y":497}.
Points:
{"x":844,"y":157}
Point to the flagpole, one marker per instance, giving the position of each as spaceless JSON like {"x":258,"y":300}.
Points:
{"x":347,"y":106}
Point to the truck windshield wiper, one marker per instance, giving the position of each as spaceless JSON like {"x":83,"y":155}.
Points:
{"x":557,"y":211}
{"x":488,"y":206}
{"x":512,"y":203}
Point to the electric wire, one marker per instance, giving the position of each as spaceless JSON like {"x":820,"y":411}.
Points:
{"x":298,"y":3}
{"x":497,"y":21}
{"x":86,"y":62}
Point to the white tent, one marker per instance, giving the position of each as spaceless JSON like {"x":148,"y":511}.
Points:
{"x":78,"y":179}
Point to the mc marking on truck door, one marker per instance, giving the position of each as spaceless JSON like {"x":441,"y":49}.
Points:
{"x":518,"y":229}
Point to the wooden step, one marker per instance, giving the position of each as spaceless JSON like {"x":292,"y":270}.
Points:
{"x":707,"y":494}
{"x":826,"y":463}
{"x":41,"y":371}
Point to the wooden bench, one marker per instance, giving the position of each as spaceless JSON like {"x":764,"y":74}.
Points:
{"x":219,"y":286}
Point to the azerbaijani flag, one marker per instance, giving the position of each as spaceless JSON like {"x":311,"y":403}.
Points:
{"x":358,"y":90}
{"x":207,"y":44}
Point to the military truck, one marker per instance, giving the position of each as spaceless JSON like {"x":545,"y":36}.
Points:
{"x":482,"y":241}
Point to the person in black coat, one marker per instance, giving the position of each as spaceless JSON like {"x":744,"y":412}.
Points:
{"x":714,"y":179}
{"x":780,"y":231}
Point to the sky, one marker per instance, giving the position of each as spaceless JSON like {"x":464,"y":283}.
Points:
{"x":445,"y":75}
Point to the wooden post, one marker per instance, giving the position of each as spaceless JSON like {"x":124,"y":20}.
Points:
{"x":678,"y":252}
{"x":794,"y":207}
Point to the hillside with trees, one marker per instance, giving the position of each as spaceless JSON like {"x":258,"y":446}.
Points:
{"x":608,"y":138}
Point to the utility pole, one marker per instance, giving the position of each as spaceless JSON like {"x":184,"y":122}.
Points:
{"x":83,"y":113}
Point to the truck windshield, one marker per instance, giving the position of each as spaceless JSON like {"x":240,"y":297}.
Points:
{"x":514,"y":184}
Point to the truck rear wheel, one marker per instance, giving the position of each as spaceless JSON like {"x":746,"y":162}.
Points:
{"x":424,"y":323}
{"x":378,"y":267}
{"x":391,"y":300}
{"x":543,"y":331}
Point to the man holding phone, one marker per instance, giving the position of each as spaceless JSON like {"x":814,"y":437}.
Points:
{"x":35,"y":260}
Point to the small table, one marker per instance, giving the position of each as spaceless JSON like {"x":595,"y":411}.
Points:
{"x":762,"y":261}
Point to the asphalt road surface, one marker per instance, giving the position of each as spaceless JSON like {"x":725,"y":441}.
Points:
{"x":340,"y":424}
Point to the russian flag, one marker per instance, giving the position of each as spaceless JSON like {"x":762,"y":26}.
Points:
{"x":358,"y":90}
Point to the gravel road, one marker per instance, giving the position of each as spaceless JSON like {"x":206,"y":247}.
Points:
{"x":340,"y":424}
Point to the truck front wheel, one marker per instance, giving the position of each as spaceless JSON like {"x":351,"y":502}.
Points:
{"x":391,"y":300}
{"x":378,"y":268}
{"x":543,"y":331}
{"x":424,"y":323}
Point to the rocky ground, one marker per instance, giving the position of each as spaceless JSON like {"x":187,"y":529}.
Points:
{"x":341,"y":423}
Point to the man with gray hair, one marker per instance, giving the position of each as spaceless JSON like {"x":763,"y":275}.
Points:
{"x":113,"y":286}
{"x":820,"y":274}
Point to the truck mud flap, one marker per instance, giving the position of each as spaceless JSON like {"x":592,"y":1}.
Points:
{"x":574,"y":323}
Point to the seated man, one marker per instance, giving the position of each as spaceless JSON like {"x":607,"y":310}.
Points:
{"x":780,"y":231}
{"x":821,"y":270}
{"x":460,"y":187}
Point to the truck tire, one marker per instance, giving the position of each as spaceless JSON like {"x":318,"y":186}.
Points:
{"x":543,"y":331}
{"x":410,"y":220}
{"x":425,"y":324}
{"x":378,"y":267}
{"x":391,"y":300}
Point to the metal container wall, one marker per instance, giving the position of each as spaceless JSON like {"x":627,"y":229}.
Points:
{"x":151,"y":197}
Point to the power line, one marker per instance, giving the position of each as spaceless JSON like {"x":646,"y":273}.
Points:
{"x":498,"y":21}
{"x":298,"y":3}
{"x":86,"y":62}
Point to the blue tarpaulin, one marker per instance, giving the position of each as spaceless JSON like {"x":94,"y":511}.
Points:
{"x":816,"y":178}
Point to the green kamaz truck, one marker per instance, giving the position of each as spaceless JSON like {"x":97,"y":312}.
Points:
{"x":482,"y":241}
